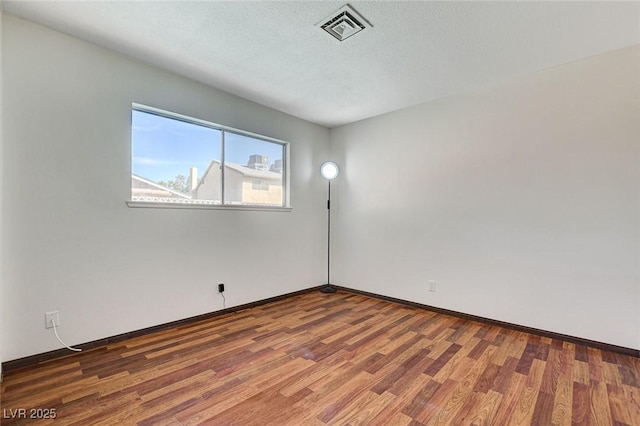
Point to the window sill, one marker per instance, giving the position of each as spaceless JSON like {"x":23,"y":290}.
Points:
{"x":152,"y":205}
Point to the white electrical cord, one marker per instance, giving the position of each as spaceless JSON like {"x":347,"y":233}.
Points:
{"x":224,"y":300}
{"x":60,"y":340}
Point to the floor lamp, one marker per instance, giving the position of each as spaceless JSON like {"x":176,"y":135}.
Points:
{"x":329,"y":170}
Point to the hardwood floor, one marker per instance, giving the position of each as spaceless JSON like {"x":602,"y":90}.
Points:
{"x":340,"y":359}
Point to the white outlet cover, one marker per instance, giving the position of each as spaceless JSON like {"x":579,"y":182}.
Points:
{"x":55,"y":316}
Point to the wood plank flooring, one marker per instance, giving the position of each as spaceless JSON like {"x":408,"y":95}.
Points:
{"x":341,"y":359}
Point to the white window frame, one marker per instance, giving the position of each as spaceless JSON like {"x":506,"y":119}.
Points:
{"x":175,"y":116}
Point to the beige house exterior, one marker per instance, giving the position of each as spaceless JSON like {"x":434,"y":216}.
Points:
{"x":242,"y":185}
{"x":251,"y":184}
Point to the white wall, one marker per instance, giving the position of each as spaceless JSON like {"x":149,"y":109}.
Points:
{"x":1,"y":173}
{"x":521,"y":201}
{"x":70,"y":242}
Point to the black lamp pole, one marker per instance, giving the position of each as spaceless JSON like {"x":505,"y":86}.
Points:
{"x":328,"y":288}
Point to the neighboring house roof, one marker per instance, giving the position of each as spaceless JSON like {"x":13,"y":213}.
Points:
{"x":152,"y":186}
{"x":247,"y":171}
{"x":244,"y":170}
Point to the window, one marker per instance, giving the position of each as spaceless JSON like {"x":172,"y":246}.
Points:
{"x":259,"y":185}
{"x":177,"y":160}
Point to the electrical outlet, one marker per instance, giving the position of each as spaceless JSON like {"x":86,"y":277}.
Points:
{"x":220,"y":288}
{"x":432,"y":286}
{"x":51,"y":316}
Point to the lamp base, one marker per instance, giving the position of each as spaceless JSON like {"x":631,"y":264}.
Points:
{"x":327,"y":289}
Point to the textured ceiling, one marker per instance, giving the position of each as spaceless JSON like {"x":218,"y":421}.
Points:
{"x":273,"y":52}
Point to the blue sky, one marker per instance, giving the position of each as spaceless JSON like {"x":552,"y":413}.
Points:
{"x":162,"y":148}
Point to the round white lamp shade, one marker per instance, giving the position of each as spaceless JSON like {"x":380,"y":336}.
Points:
{"x":329,"y":170}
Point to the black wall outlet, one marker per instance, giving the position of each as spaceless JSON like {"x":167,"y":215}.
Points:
{"x":220,"y":288}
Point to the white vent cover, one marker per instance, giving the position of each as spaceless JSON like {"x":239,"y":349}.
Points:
{"x":344,"y":23}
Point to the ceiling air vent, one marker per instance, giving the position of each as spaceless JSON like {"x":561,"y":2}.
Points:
{"x":344,"y":23}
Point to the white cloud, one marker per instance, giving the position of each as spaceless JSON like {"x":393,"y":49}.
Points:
{"x":149,"y":161}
